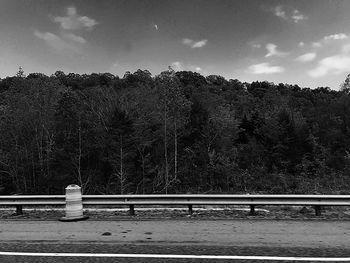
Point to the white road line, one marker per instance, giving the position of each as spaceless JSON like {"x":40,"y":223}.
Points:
{"x":319,"y":259}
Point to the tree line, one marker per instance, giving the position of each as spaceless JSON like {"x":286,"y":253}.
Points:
{"x":177,"y":132}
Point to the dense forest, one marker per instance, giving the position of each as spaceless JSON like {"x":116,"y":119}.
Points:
{"x":177,"y":132}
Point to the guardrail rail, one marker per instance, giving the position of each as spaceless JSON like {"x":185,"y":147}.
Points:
{"x":317,"y":201}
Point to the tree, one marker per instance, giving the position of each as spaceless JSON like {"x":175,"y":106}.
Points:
{"x":20,"y":73}
{"x":175,"y":109}
{"x":120,"y":150}
{"x":75,"y":139}
{"x":176,"y":132}
{"x":345,"y":86}
{"x":29,"y":129}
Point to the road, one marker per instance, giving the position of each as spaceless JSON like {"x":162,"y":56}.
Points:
{"x":194,"y":237}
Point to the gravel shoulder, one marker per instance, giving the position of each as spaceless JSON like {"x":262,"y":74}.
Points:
{"x":199,"y":213}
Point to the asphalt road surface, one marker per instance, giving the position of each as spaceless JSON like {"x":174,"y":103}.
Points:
{"x":175,"y":237}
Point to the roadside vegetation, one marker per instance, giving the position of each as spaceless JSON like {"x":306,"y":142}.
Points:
{"x":177,"y":132}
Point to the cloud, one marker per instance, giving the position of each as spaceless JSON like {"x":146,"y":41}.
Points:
{"x":265,"y":68}
{"x":297,"y":16}
{"x":306,"y":57}
{"x":194,"y":68}
{"x":66,"y":39}
{"x":279,"y":12}
{"x":328,"y":39}
{"x":256,"y":45}
{"x":273,"y":51}
{"x":316,"y":44}
{"x":194,"y":44}
{"x":291,"y":15}
{"x":47,"y":36}
{"x":336,"y":37}
{"x":335,"y":65}
{"x":345,"y":48}
{"x":52,"y":40}
{"x":180,"y":66}
{"x":177,"y":66}
{"x":60,"y":43}
{"x":75,"y":38}
{"x":73,"y":21}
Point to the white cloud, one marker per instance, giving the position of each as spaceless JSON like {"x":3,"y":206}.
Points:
{"x":265,"y":68}
{"x":345,"y":48}
{"x":316,"y":44}
{"x":115,"y":64}
{"x":335,"y":65}
{"x":306,"y":57}
{"x":47,"y":36}
{"x":336,"y":37}
{"x":71,"y":11}
{"x":52,"y":40}
{"x":75,"y":38}
{"x":194,"y":68}
{"x":297,"y":16}
{"x":187,"y":41}
{"x":194,"y":44}
{"x":291,"y":15}
{"x":73,"y":21}
{"x":273,"y":51}
{"x":256,"y":45}
{"x":66,"y":39}
{"x":279,"y":12}
{"x":177,"y":66}
{"x":201,"y":43}
{"x":328,"y":39}
{"x":60,"y":43}
{"x":180,"y":66}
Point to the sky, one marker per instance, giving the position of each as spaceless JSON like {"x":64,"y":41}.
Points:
{"x":304,"y":42}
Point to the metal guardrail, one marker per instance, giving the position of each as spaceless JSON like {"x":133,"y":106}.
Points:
{"x":187,"y":200}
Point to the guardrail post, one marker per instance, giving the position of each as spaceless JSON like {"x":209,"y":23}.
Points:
{"x":317,"y":210}
{"x":252,"y":210}
{"x":19,"y":210}
{"x":132,"y":210}
{"x":190,"y":209}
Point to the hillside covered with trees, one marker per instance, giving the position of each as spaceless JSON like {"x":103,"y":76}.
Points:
{"x":177,"y":132}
